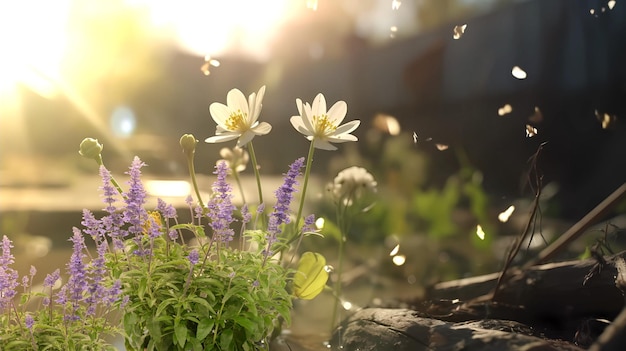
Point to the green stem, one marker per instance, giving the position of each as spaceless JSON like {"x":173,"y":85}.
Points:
{"x":238,"y":180}
{"x":113,"y":181}
{"x":307,"y":173}
{"x":256,"y":171}
{"x":192,"y":173}
{"x":342,"y":239}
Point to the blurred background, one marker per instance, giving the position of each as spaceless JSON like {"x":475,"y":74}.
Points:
{"x":455,"y":97}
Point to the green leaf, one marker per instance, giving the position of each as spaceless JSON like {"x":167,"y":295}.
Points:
{"x":226,"y":339}
{"x":180,"y":330}
{"x":204,"y":328}
{"x":154,"y":328}
{"x":246,"y":322}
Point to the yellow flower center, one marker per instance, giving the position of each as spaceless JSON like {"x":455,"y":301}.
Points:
{"x":322,"y":125}
{"x":236,"y":121}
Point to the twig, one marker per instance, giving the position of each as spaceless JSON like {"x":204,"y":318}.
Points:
{"x":579,"y":228}
{"x":531,"y":219}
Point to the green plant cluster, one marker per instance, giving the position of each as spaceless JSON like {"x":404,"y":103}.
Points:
{"x":230,"y":303}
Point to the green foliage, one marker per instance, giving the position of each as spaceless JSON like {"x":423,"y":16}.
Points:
{"x":231,"y":301}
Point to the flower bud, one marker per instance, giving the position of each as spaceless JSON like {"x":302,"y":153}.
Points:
{"x":91,"y":148}
{"x":188,"y":143}
{"x":311,"y":276}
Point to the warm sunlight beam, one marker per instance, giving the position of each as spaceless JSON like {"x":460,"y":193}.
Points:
{"x":33,"y":41}
{"x":212,"y":27}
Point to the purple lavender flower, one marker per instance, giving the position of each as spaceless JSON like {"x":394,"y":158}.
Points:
{"x":134,"y":213}
{"x":113,"y":294}
{"x":113,"y":221}
{"x":93,"y":227}
{"x":246,"y":216}
{"x":51,"y":278}
{"x":49,"y":282}
{"x":108,"y":190}
{"x":73,"y":292}
{"x":284,"y":195}
{"x":220,"y":206}
{"x":309,"y":224}
{"x":197,"y":210}
{"x":194,"y":257}
{"x":154,"y":229}
{"x":167,"y":210}
{"x":173,"y":234}
{"x":29,"y":322}
{"x":189,"y":201}
{"x":96,"y":290}
{"x":8,"y":275}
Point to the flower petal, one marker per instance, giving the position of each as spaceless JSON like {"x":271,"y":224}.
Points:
{"x":319,"y":105}
{"x":220,"y":113}
{"x":323,"y":144}
{"x":221,"y":138}
{"x":245,"y":138}
{"x":262,"y":129}
{"x":346,"y":128}
{"x":255,"y":104}
{"x":298,"y":123}
{"x":337,"y":112}
{"x":342,"y":138}
{"x":237,"y":101}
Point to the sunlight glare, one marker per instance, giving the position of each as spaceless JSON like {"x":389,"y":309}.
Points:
{"x":395,"y":4}
{"x":168,"y":188}
{"x":33,"y":44}
{"x":213,"y":27}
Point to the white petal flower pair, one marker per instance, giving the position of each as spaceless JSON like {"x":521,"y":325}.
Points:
{"x":324,"y":127}
{"x":239,"y":118}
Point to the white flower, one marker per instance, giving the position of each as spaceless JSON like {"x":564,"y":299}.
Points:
{"x":238,"y":119}
{"x":236,"y":158}
{"x":350,"y":184}
{"x":322,"y":127}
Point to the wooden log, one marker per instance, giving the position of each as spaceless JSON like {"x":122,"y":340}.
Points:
{"x":564,"y":290}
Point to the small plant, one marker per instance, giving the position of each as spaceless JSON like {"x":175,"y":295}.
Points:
{"x":72,"y":317}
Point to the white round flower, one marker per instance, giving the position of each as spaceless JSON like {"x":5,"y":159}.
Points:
{"x":351,"y":183}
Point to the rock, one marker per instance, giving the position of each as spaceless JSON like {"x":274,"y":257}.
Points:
{"x":408,"y":330}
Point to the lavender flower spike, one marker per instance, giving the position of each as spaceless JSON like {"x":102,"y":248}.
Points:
{"x":73,"y":291}
{"x":134,"y":213}
{"x":220,"y":206}
{"x":8,"y":275}
{"x":284,"y":195}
